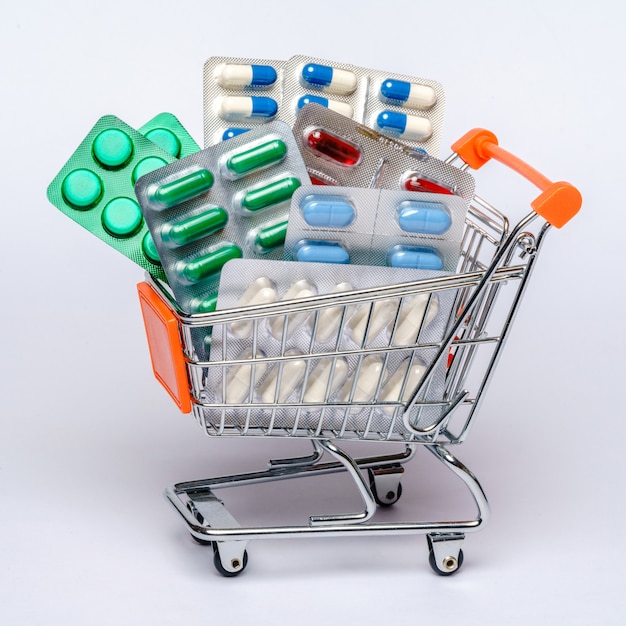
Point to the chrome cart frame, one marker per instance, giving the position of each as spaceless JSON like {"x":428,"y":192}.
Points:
{"x":496,"y":263}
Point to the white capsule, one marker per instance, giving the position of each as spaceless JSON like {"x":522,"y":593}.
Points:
{"x":292,"y":373}
{"x":240,"y":378}
{"x":319,"y":377}
{"x":410,"y":318}
{"x":301,"y":289}
{"x":261,"y":291}
{"x":384,"y":311}
{"x":328,"y":320}
{"x":392,"y":388}
{"x":369,"y":374}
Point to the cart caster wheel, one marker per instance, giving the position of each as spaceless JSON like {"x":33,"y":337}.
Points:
{"x":239,"y":565}
{"x":202,"y":542}
{"x":450,"y":565}
{"x":386,"y":488}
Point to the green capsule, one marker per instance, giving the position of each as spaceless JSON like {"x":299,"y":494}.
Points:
{"x":274,"y":193}
{"x":195,"y":227}
{"x":183,"y":189}
{"x":270,"y":237}
{"x":206,"y":305}
{"x":211,"y":263}
{"x":255,"y":158}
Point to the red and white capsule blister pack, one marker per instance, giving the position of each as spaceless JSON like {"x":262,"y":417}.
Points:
{"x":403,"y":107}
{"x":314,"y":373}
{"x":240,"y":94}
{"x":340,"y":151}
{"x":388,"y":227}
{"x":224,"y":202}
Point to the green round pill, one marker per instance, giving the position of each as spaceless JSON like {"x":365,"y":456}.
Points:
{"x":149,"y":249}
{"x":147,"y":165}
{"x":166,"y":140}
{"x":82,"y":189}
{"x":122,"y":217}
{"x":112,"y":148}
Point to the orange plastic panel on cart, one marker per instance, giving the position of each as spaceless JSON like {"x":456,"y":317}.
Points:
{"x":557,"y":203}
{"x":166,"y":351}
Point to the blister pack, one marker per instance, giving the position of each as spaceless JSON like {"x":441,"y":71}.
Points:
{"x":369,"y":350}
{"x":239,"y":94}
{"x":166,"y":131}
{"x":340,"y":151}
{"x":403,"y":107}
{"x":95,"y":188}
{"x":225,"y":202}
{"x":375,"y":227}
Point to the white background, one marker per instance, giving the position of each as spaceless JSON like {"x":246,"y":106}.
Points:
{"x":89,"y":440}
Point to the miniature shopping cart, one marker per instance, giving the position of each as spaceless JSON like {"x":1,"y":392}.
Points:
{"x":495,"y":264}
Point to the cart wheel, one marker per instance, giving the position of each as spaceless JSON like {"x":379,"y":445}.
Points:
{"x":217,"y":561}
{"x":391,"y":492}
{"x":449,"y":566}
{"x":202,"y":542}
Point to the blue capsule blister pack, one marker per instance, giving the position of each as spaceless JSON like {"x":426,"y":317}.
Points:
{"x":378,"y":227}
{"x":404,"y":107}
{"x":239,"y":94}
{"x":227,"y":201}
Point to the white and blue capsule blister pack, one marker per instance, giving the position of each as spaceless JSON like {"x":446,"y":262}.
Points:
{"x":314,"y":372}
{"x":242,"y":93}
{"x":225,"y":202}
{"x":378,"y":227}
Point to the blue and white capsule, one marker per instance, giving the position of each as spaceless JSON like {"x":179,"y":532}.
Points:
{"x":410,"y":95}
{"x":237,"y":108}
{"x":343,"y":108}
{"x":237,"y":76}
{"x":410,"y":127}
{"x":330,"y":79}
{"x":229,"y":133}
{"x":414,"y":257}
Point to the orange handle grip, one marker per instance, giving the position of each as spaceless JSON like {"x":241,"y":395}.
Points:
{"x":558,"y":201}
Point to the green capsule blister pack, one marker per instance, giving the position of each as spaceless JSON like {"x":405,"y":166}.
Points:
{"x":168,"y":133}
{"x":95,"y":188}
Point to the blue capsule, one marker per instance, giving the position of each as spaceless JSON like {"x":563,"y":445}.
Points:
{"x":329,"y":78}
{"x":429,"y":218}
{"x":263,"y":76}
{"x":414,"y":257}
{"x":229,"y":133}
{"x":315,"y":251}
{"x":327,"y":211}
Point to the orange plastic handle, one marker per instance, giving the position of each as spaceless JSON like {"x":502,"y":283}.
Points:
{"x":166,"y":350}
{"x":557,"y":203}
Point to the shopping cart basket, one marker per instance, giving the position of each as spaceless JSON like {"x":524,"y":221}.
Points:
{"x":495,"y":264}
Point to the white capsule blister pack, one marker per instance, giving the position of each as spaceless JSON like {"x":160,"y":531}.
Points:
{"x":375,"y":227}
{"x":227,"y":201}
{"x":340,"y":151}
{"x":240,"y":94}
{"x":403,"y":107}
{"x":327,"y":367}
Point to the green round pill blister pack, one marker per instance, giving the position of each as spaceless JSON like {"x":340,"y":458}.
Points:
{"x":95,"y":187}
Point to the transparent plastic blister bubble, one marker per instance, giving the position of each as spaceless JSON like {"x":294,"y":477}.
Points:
{"x":166,"y":131}
{"x":339,"y":151}
{"x":227,"y":201}
{"x":239,"y":94}
{"x":375,"y":227}
{"x":404,"y":107}
{"x":95,"y":188}
{"x":326,"y":361}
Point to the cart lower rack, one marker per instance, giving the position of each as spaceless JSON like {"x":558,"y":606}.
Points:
{"x":495,"y":265}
